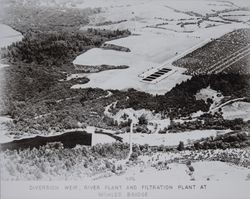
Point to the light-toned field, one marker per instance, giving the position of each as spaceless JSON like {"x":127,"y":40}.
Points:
{"x":237,"y":110}
{"x":161,"y":32}
{"x":8,"y":35}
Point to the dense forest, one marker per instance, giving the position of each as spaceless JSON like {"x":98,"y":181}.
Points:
{"x":42,"y":59}
{"x":65,"y":108}
{"x":54,"y":48}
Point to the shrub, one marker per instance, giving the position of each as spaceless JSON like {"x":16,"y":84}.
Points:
{"x":181,"y":146}
{"x":191,"y":168}
{"x":133,"y":156}
{"x":142,"y":120}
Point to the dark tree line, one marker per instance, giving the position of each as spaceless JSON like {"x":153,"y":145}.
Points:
{"x":54,"y":48}
{"x":181,"y":100}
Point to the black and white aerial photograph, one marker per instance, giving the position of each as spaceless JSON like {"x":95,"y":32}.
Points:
{"x":117,"y":99}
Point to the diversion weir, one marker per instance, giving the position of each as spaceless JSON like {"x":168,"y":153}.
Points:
{"x":69,"y":140}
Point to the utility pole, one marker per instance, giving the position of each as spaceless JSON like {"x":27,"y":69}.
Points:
{"x":134,"y":120}
{"x":130,"y":140}
{"x":133,"y":13}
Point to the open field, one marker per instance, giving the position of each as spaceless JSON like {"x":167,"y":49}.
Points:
{"x":8,"y":36}
{"x":174,"y":30}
